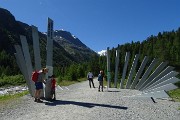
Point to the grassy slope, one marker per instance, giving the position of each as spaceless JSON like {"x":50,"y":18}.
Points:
{"x":175,"y":94}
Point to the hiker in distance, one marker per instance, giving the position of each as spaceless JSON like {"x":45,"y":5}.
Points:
{"x":39,"y":84}
{"x":100,"y":79}
{"x":90,"y":78}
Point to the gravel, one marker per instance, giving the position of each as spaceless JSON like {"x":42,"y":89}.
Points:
{"x":79,"y":102}
{"x":12,"y":90}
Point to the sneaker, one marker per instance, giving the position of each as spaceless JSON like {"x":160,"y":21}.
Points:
{"x":98,"y":90}
{"x":35,"y":100}
{"x":39,"y":101}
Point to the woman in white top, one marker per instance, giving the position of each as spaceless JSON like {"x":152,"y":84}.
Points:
{"x":90,"y":78}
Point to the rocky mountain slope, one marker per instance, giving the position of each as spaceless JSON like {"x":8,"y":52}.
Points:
{"x":67,"y":48}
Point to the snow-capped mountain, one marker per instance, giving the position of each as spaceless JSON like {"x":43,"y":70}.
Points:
{"x":102,"y":52}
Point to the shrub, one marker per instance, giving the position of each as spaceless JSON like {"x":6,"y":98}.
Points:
{"x":59,"y":79}
{"x":12,"y":80}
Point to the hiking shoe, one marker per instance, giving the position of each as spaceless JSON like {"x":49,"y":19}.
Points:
{"x":35,"y":100}
{"x":39,"y":101}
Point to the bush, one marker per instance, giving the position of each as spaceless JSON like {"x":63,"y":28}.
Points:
{"x":72,"y":76}
{"x":72,"y":73}
{"x":12,"y":80}
{"x":177,"y":84}
{"x":59,"y":79}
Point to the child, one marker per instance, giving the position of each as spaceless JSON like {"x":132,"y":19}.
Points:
{"x":53,"y":85}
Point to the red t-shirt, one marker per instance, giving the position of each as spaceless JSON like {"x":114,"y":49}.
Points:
{"x":53,"y":83}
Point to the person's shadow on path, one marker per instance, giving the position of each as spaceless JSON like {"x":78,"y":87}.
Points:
{"x":83,"y":104}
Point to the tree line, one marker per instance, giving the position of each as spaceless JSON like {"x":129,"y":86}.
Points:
{"x":165,"y":47}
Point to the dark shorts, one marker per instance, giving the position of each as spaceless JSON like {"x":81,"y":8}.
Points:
{"x":39,"y":85}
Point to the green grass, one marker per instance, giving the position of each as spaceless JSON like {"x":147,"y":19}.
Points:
{"x":13,"y":96}
{"x":105,"y":83}
{"x":175,"y":94}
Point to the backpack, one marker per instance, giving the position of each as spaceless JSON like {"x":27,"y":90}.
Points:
{"x":99,"y":77}
{"x":34,"y":76}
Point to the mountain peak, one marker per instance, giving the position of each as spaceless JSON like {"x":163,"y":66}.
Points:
{"x":102,"y":52}
{"x":69,"y":37}
{"x":73,"y":45}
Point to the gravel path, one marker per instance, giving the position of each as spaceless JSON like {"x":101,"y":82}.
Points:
{"x":82,"y":103}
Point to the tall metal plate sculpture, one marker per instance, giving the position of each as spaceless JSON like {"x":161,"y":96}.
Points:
{"x":108,"y":69}
{"x":124,"y":70}
{"x":27,"y":58}
{"x":49,"y":59}
{"x":36,"y":48}
{"x":37,"y":57}
{"x":22,"y":65}
{"x":116,"y":68}
{"x":153,"y":80}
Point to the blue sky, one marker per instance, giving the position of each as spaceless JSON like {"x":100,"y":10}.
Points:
{"x":100,"y":23}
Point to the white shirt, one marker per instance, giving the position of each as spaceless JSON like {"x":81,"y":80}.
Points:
{"x":90,"y":75}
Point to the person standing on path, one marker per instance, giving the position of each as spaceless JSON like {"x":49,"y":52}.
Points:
{"x":39,"y":84}
{"x":90,"y":78}
{"x":53,"y":85}
{"x":100,"y":79}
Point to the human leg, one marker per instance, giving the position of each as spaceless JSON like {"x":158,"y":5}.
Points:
{"x":35,"y":95}
{"x":54,"y":95}
{"x":39,"y":86}
{"x":36,"y":92}
{"x":99,"y":86}
{"x":102,"y":86}
{"x":90,"y":83}
{"x":93,"y":83}
{"x":38,"y":98}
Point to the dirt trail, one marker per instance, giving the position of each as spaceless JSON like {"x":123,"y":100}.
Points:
{"x":79,"y":102}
